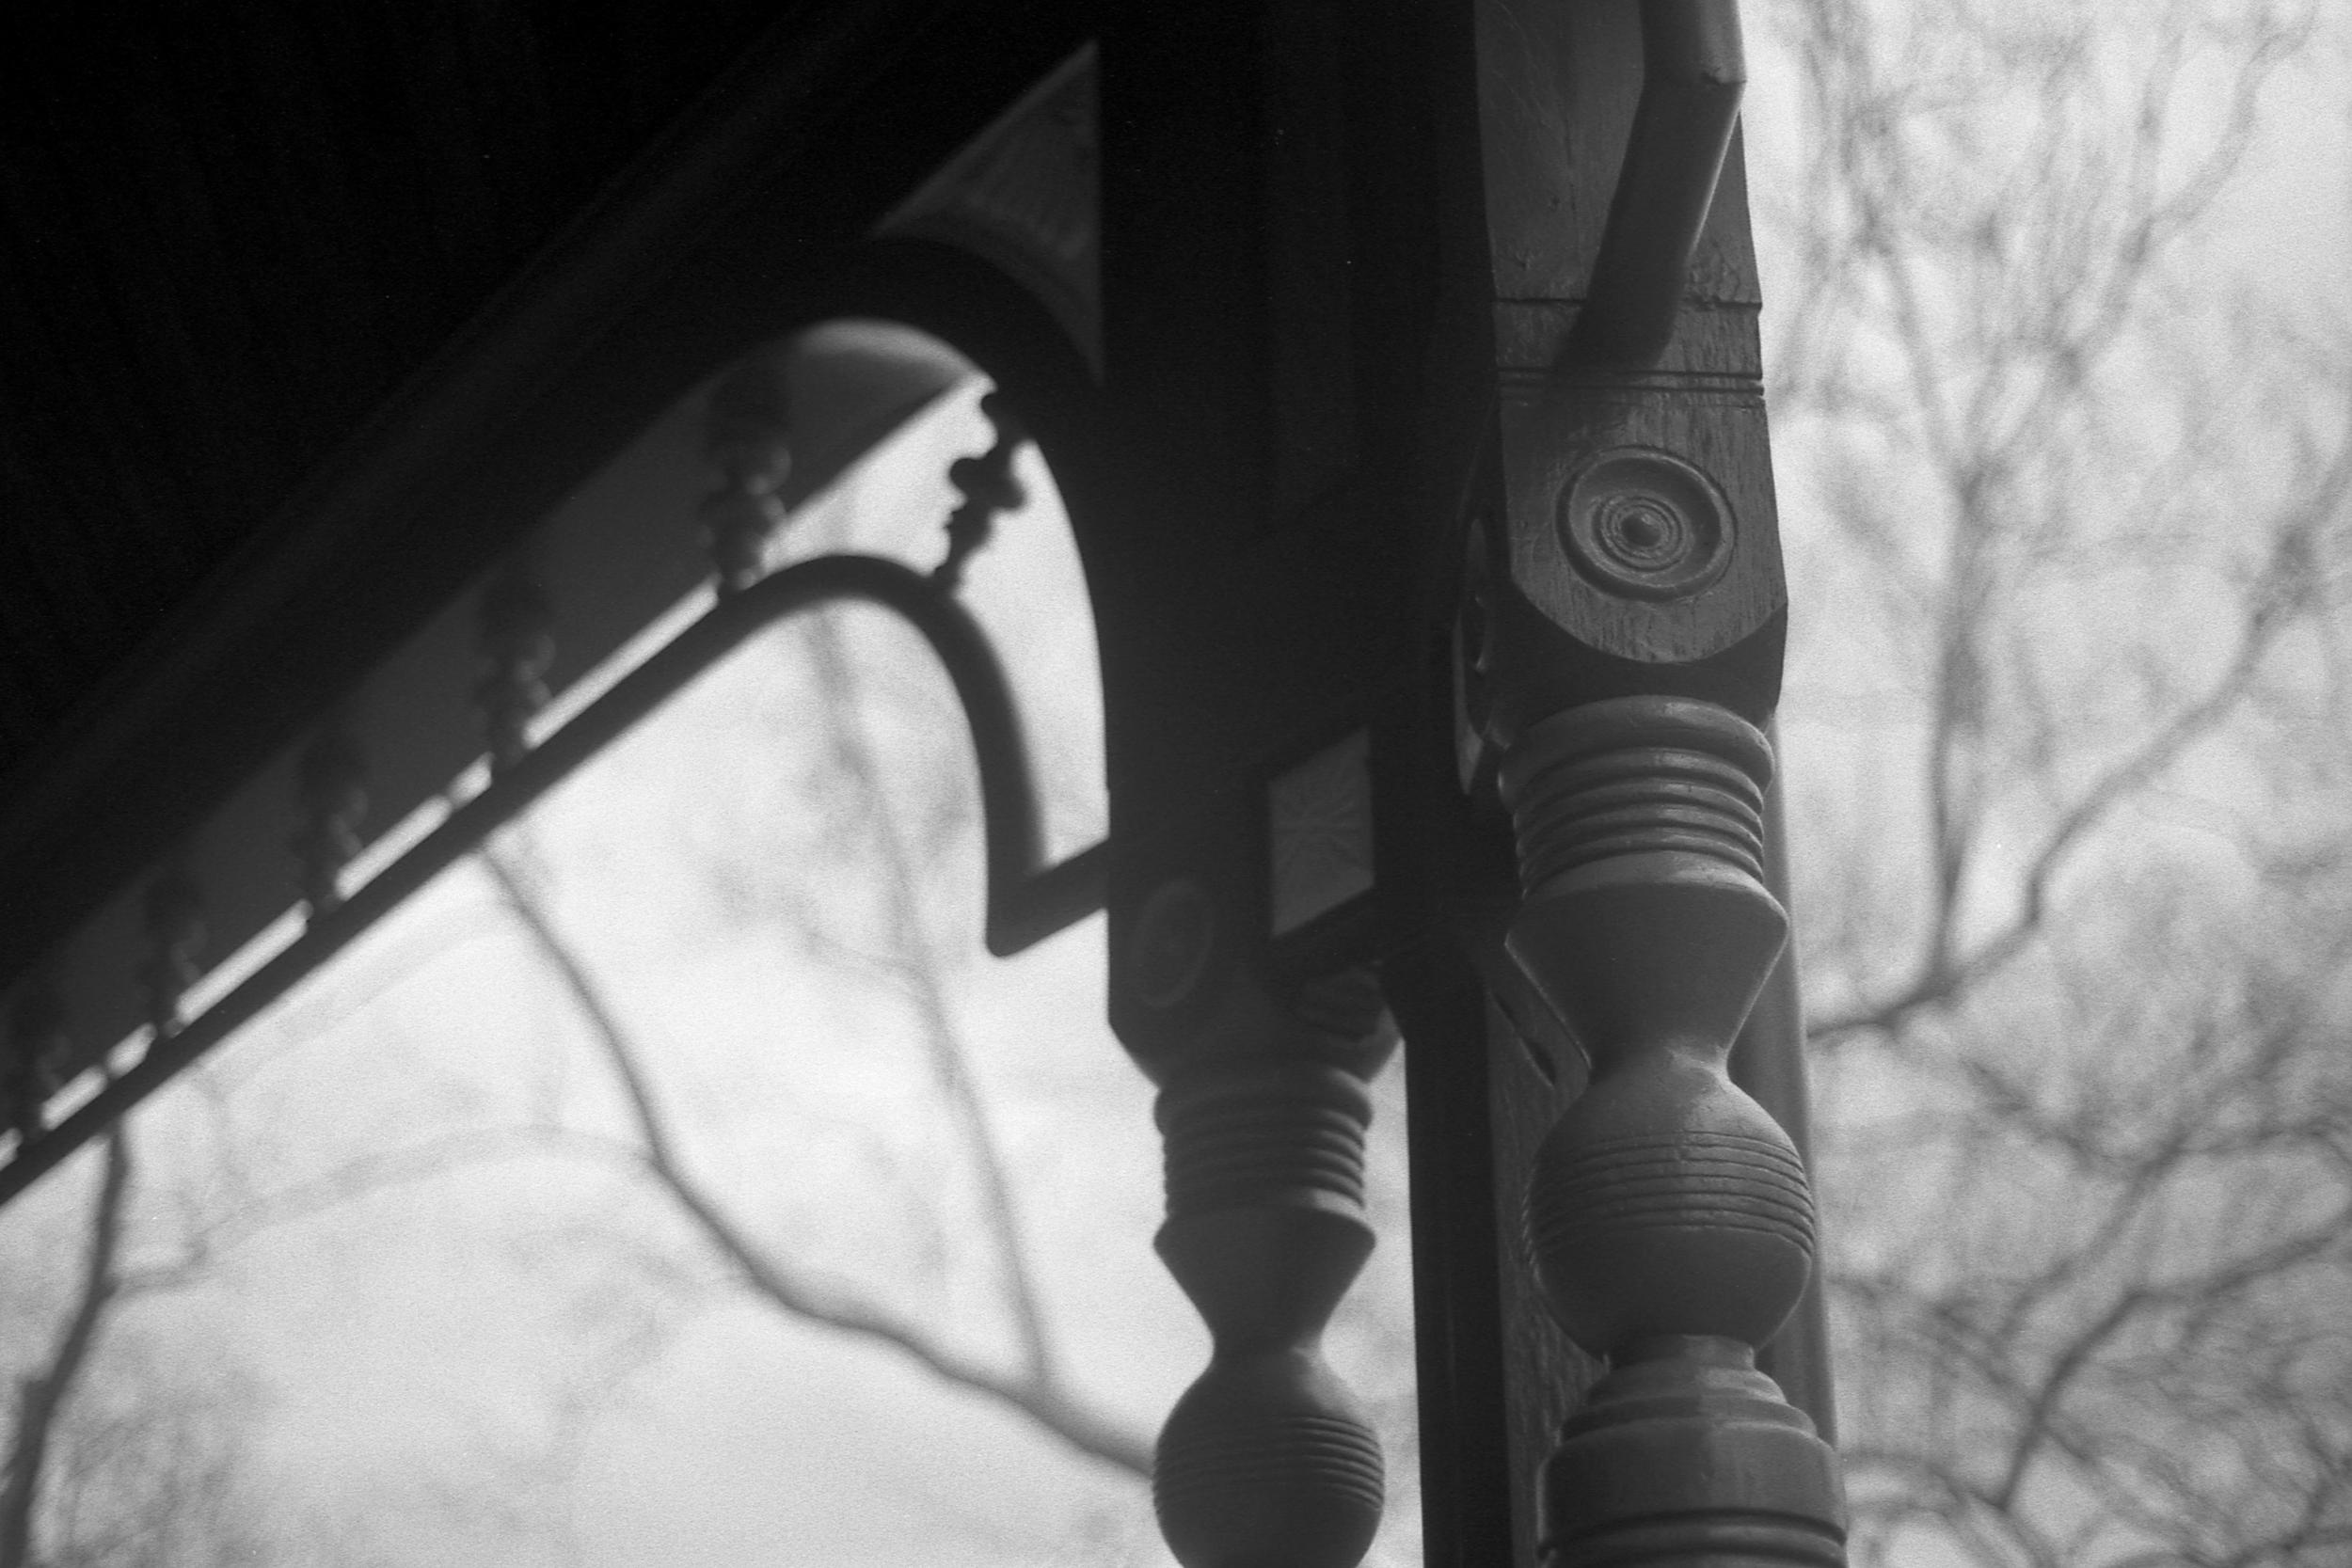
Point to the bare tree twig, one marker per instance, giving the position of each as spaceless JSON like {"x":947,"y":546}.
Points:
{"x":921,"y":972}
{"x":2103,"y":1334}
{"x":41,"y":1398}
{"x":369,"y":1173}
{"x":1051,"y":1407}
{"x":2285,"y":589}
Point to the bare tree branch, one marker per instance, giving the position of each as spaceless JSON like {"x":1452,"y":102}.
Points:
{"x":920,"y":971}
{"x":2285,"y":589}
{"x":369,"y":1173}
{"x":41,"y":1398}
{"x":1044,"y":1401}
{"x":2096,"y":1094}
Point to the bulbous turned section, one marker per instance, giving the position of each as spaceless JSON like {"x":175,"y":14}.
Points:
{"x":1667,"y":1202}
{"x":1668,"y":1215}
{"x":1268,"y":1460}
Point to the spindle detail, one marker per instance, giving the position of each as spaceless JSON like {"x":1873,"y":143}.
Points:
{"x":988,"y":486}
{"x":1268,"y":1459}
{"x":747,"y":440}
{"x":1668,"y":1214}
{"x":332,"y":783}
{"x":517,"y":649}
{"x":174,"y":912}
{"x":36,"y":1042}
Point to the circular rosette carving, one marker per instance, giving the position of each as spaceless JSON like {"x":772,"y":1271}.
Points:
{"x":1645,"y":524}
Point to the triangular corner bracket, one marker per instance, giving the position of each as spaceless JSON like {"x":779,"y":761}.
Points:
{"x":1024,"y":195}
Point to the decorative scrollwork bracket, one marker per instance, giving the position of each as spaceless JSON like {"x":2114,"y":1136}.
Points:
{"x":1028,"y":896}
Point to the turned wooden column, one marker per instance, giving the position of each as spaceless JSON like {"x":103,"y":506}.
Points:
{"x":1430,"y":345}
{"x":1267,"y":1458}
{"x":1620,"y":647}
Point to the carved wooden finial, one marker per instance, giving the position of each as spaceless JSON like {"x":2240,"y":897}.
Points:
{"x":987,"y":487}
{"x":518,"y":648}
{"x":37,"y":1039}
{"x":1267,"y":1458}
{"x":174,"y":914}
{"x":1668,"y":1214}
{"x":331,"y":783}
{"x":747,"y":442}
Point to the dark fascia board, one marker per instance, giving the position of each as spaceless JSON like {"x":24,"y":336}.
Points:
{"x":800,"y":147}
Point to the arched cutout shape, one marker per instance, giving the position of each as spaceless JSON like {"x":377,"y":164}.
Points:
{"x":1027,"y":898}
{"x":380,"y":558}
{"x":810,"y":408}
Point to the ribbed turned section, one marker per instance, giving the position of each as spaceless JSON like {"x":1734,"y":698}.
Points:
{"x":1691,"y":1180}
{"x":1283,"y":1130}
{"x":1275,"y":1452}
{"x":1668,"y":1215}
{"x":1638,"y":775}
{"x":1691,"y":1233}
{"x":1256,"y":1467}
{"x":1267,"y":1459}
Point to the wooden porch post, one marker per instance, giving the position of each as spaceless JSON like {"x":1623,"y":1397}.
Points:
{"x":1623,"y":629}
{"x":1431,"y":334}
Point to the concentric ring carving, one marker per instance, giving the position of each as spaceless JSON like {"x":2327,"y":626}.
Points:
{"x":1644,"y":524}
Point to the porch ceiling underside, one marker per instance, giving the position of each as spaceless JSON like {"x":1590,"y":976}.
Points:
{"x":246,"y":251}
{"x":227,"y":234}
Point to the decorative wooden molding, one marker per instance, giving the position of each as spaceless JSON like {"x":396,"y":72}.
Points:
{"x":747,"y":428}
